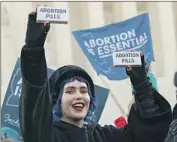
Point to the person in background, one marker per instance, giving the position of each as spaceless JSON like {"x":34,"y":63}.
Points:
{"x":172,"y":133}
{"x":62,"y":108}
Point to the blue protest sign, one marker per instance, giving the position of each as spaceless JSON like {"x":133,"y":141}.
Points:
{"x":9,"y":111}
{"x":10,"y":108}
{"x":101,"y":96}
{"x":98,"y":44}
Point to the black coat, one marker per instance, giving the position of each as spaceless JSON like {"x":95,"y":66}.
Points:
{"x":36,"y":112}
{"x":172,"y":133}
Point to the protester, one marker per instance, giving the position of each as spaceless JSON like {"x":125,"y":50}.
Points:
{"x":172,"y":133}
{"x":61,"y":109}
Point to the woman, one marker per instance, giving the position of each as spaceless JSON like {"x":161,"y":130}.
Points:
{"x":62,"y":109}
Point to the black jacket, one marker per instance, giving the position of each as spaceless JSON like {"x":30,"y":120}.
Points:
{"x":36,"y":112}
{"x":172,"y":133}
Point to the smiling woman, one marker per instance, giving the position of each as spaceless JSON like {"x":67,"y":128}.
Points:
{"x":55,"y":110}
{"x":75,"y":101}
{"x":62,"y":49}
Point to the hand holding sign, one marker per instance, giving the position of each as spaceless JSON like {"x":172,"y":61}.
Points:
{"x":36,"y":32}
{"x":137,"y":74}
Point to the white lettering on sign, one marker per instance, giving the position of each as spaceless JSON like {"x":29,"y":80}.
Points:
{"x":15,"y":88}
{"x":52,"y":14}
{"x":120,"y":42}
{"x":127,"y":58}
{"x":9,"y":120}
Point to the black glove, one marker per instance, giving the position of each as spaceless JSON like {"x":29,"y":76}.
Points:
{"x":138,"y":75}
{"x":36,"y":32}
{"x":144,"y":95}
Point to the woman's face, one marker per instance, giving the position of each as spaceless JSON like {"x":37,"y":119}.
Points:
{"x":75,"y":101}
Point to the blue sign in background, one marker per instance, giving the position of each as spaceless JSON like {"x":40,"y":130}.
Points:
{"x":98,"y":44}
{"x":10,"y":110}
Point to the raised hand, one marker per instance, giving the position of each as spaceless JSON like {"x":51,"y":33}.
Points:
{"x":137,"y":74}
{"x":36,"y":32}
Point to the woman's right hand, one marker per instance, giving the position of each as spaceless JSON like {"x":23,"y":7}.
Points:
{"x":36,"y":32}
